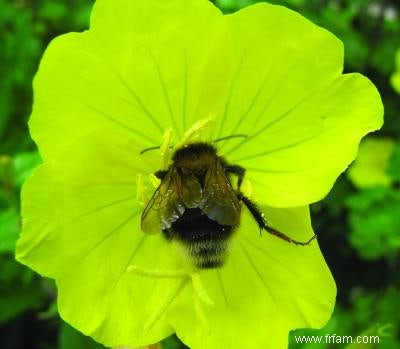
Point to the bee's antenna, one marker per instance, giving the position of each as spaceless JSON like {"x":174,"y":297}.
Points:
{"x":148,"y":149}
{"x":229,"y":137}
{"x":145,"y":150}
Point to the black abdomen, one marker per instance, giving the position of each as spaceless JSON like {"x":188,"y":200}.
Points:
{"x":206,"y":240}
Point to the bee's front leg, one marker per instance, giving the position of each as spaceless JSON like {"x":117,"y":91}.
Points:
{"x":160,"y":174}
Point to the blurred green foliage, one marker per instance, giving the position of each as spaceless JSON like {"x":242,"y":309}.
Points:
{"x":358,"y":227}
{"x":375,"y":223}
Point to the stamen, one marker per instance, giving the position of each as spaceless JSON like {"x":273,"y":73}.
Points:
{"x":195,"y":130}
{"x":154,"y":180}
{"x":200,"y":290}
{"x":247,"y":187}
{"x":165,"y":147}
{"x":200,"y":295}
{"x":141,"y":190}
{"x":201,"y":316}
{"x":157,"y":273}
{"x":165,"y":304}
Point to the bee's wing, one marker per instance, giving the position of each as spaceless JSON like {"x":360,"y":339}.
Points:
{"x":170,"y":200}
{"x":219,"y":202}
{"x":190,"y":190}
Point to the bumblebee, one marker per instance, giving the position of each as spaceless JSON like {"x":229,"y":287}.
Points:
{"x":196,"y":205}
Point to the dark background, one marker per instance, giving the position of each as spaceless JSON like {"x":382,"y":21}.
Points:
{"x":358,"y":225}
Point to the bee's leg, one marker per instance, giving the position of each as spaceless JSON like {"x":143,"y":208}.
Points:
{"x":238,"y":171}
{"x":160,"y":174}
{"x":260,"y":219}
{"x":254,"y":210}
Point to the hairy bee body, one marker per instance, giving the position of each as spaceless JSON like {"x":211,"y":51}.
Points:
{"x":197,"y":206}
{"x":205,"y":239}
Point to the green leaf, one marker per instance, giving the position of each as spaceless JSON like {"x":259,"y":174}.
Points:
{"x":69,"y":338}
{"x":9,"y":230}
{"x":16,"y":295}
{"x":395,"y":79}
{"x":393,"y":166}
{"x":6,"y":172}
{"x":172,"y":342}
{"x":375,"y":223}
{"x":370,"y":167}
{"x":23,"y":165}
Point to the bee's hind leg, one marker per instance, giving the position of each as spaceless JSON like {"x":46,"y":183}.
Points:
{"x":239,"y":171}
{"x":260,"y":219}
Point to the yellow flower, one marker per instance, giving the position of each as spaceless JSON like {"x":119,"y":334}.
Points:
{"x":144,"y":67}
